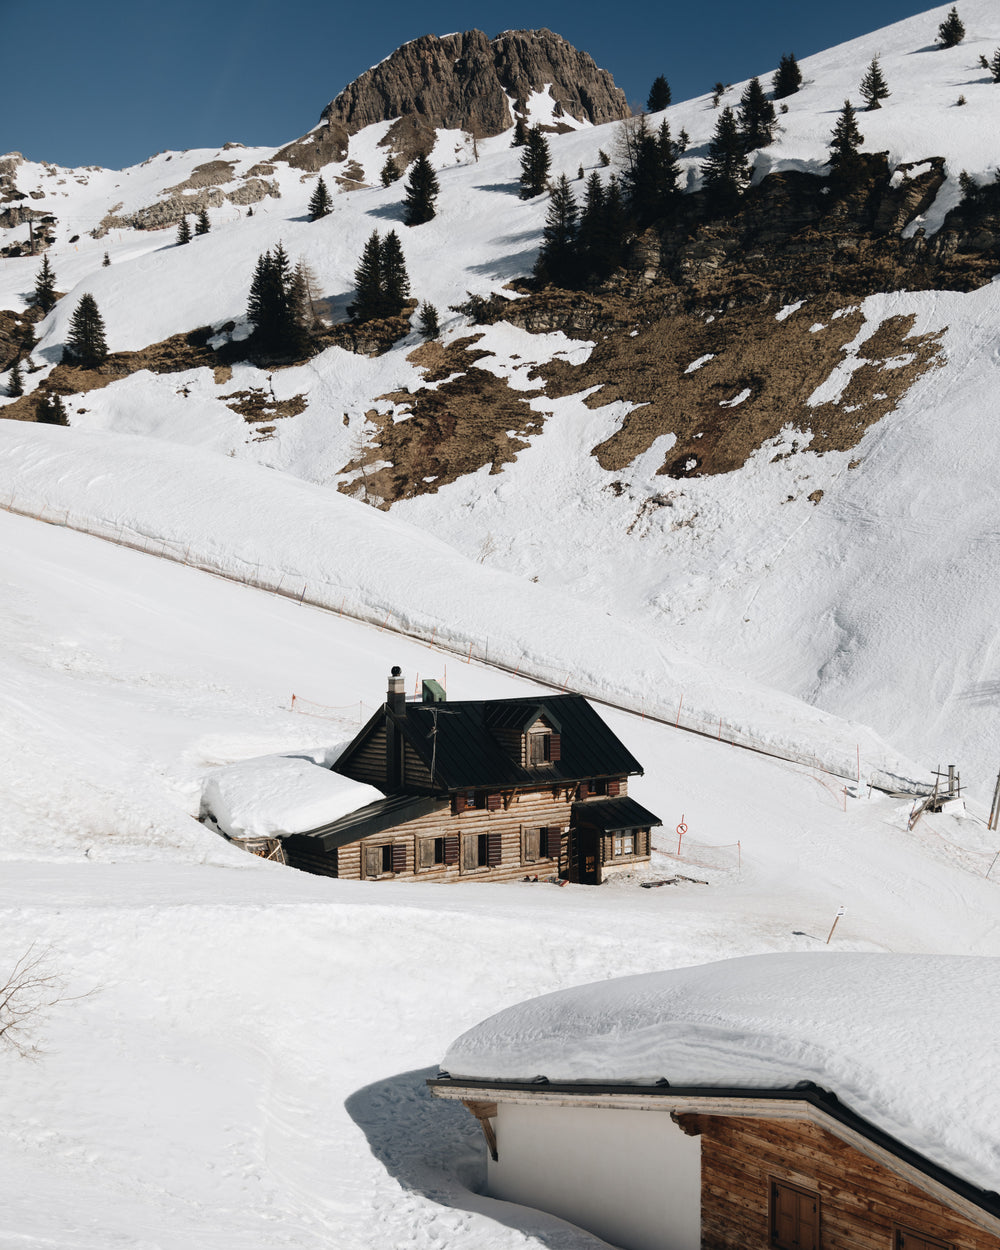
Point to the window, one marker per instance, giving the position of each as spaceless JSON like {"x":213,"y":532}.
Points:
{"x":430,"y":852}
{"x":623,"y":843}
{"x":610,"y":787}
{"x":543,"y":843}
{"x":544,"y":746}
{"x":480,"y":850}
{"x":794,"y":1217}
{"x":906,"y":1239}
{"x":384,"y":860}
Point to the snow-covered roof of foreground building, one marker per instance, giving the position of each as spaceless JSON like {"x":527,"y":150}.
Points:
{"x":909,"y":1042}
{"x":279,"y":794}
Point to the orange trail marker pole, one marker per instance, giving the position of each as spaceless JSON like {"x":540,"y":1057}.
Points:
{"x":840,"y":912}
{"x":679,"y":706}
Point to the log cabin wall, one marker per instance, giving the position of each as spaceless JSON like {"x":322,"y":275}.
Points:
{"x":862,"y":1204}
{"x":369,"y":764}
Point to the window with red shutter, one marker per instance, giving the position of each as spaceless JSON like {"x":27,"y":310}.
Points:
{"x":614,"y":789}
{"x":493,"y":849}
{"x":494,"y":802}
{"x":551,"y":842}
{"x":451,"y":850}
{"x":582,"y":790}
{"x":555,"y":747}
{"x":399,"y":857}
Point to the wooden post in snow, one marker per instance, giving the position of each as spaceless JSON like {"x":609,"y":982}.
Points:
{"x":995,"y":807}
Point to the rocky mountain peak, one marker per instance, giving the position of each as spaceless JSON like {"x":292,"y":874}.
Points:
{"x":462,"y":82}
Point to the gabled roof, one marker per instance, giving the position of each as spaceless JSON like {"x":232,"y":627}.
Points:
{"x":470,"y":755}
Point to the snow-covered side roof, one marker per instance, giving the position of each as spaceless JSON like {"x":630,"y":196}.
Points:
{"x":909,"y":1042}
{"x":279,"y":794}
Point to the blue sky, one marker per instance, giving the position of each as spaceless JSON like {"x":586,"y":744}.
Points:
{"x":110,"y":83}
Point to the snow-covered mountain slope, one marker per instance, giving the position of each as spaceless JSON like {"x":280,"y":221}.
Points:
{"x":249,"y":1071}
{"x":872,"y":602}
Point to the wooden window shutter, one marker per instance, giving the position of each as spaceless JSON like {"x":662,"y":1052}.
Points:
{"x":399,"y":857}
{"x":425,"y":852}
{"x":458,"y":803}
{"x":494,"y":802}
{"x":493,"y":848}
{"x":532,"y":845}
{"x":614,"y":789}
{"x":582,"y":790}
{"x":451,"y":849}
{"x":551,"y":842}
{"x":555,"y":747}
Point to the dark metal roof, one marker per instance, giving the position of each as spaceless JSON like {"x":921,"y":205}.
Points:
{"x":377,"y":817}
{"x":610,"y":815}
{"x":519,"y":714}
{"x":469,"y":755}
{"x":804,"y":1091}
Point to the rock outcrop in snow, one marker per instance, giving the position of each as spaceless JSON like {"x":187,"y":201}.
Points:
{"x":461,"y":82}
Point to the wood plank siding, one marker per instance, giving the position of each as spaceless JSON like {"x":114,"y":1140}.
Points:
{"x":861,"y":1204}
{"x":529,"y":831}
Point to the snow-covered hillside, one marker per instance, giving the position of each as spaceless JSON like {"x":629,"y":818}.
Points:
{"x":873,"y":604}
{"x":249,"y":1070}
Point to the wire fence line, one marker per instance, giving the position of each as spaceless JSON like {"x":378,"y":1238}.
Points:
{"x":325,"y":596}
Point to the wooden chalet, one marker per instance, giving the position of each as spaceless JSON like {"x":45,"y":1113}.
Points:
{"x":490,"y":790}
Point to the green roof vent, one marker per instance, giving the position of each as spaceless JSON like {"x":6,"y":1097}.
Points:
{"x":433,"y":692}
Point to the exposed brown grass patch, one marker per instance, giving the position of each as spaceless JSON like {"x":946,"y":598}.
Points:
{"x":758,"y":381}
{"x":433,"y":437}
{"x":256,"y":405}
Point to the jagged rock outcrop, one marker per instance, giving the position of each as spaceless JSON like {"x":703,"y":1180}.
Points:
{"x":459,"y":82}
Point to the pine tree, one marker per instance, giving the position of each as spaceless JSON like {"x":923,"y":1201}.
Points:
{"x":873,"y":85}
{"x":726,"y":172}
{"x":275,"y":306}
{"x":184,"y":231}
{"x":653,"y":176}
{"x":428,"y":321}
{"x":718,"y":91}
{"x":390,"y":171}
{"x":106,"y":262}
{"x":520,"y":134}
{"x":319,"y":201}
{"x":659,"y":95}
{"x":202,"y":225}
{"x":558,"y":262}
{"x":951,"y":32}
{"x":421,"y":190}
{"x":756,"y":117}
{"x":368,"y":282}
{"x":534,"y":164}
{"x":15,"y":387}
{"x":395,"y":280}
{"x":85,"y":344}
{"x":846,"y":164}
{"x":52,"y":411}
{"x":45,"y":286}
{"x":993,"y":65}
{"x":787,"y":78}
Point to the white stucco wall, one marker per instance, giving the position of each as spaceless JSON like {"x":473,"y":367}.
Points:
{"x":631,"y":1177}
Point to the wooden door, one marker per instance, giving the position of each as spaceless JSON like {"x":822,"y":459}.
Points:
{"x":588,"y":858}
{"x":794,"y":1217}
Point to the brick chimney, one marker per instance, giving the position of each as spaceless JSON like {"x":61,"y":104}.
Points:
{"x":396,"y":697}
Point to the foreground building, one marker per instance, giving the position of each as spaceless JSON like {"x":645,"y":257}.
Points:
{"x":488,"y":789}
{"x":718,"y":1108}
